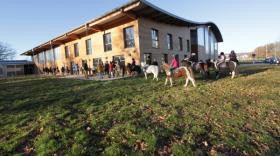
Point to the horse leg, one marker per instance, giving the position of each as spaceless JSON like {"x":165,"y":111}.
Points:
{"x":166,"y":80}
{"x":193,"y":81}
{"x":232,"y":74}
{"x":171,"y":83}
{"x":187,"y":81}
{"x":217,"y":74}
{"x":156,"y":76}
{"x":146,"y":75}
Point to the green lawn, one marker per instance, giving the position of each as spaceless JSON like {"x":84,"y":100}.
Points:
{"x":138,"y":117}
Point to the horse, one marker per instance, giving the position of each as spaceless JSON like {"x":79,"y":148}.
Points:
{"x":200,"y":67}
{"x":150,"y":69}
{"x":231,"y":66}
{"x":182,"y":71}
{"x":133,"y":70}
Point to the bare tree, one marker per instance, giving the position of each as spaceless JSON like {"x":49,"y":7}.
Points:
{"x":6,"y":52}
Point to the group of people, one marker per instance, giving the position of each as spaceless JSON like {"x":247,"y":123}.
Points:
{"x":111,"y":69}
{"x":232,"y":57}
{"x":51,"y":70}
{"x":115,"y":68}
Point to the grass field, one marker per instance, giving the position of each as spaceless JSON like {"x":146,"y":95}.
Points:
{"x":137,"y":117}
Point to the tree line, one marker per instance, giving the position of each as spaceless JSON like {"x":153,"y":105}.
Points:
{"x":6,"y":52}
{"x":268,"y":50}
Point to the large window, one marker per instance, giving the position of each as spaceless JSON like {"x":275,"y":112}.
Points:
{"x":129,"y":37}
{"x":67,"y":53}
{"x":188,"y":45}
{"x":88,"y":47}
{"x":42,"y":57}
{"x":207,"y":42}
{"x":200,"y":37}
{"x":1,"y":71}
{"x":169,"y":42}
{"x":155,"y":38}
{"x":49,"y":56}
{"x":107,"y":42}
{"x":180,"y":44}
{"x":76,"y":49}
{"x":57,"y":53}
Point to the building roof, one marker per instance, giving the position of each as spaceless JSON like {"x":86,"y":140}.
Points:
{"x":15,"y":62}
{"x":127,"y":12}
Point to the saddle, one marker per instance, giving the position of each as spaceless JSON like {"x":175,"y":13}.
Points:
{"x":223,"y":64}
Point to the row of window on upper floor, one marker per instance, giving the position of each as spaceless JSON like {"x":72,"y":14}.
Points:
{"x":169,"y":41}
{"x":128,"y":43}
{"x":107,"y":43}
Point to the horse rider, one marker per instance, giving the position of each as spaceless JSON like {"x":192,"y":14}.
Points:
{"x":233,"y":57}
{"x":133,"y":64}
{"x":192,"y":57}
{"x":174,"y":64}
{"x":155,"y":63}
{"x":221,"y":58}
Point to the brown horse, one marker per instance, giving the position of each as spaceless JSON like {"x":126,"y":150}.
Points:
{"x":182,"y":71}
{"x":200,"y":67}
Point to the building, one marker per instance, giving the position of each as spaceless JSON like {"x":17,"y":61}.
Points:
{"x":11,"y":68}
{"x":138,"y":30}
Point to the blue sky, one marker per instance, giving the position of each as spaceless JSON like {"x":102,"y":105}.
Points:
{"x":244,"y":24}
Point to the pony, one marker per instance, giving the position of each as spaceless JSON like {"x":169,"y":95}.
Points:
{"x":200,"y":67}
{"x":182,"y":71}
{"x":133,"y":70}
{"x":228,"y":65}
{"x":150,"y":69}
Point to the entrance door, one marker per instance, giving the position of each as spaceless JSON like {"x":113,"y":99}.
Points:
{"x":71,"y":67}
{"x":194,"y":43}
{"x":148,"y":58}
{"x":120,"y":59}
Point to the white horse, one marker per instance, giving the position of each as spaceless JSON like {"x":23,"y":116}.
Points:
{"x":230,"y":65}
{"x":150,"y":69}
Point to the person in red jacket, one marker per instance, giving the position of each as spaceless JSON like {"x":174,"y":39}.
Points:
{"x":174,"y":64}
{"x":111,"y":69}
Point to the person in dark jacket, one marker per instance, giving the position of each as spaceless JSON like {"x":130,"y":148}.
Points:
{"x":106,"y":68}
{"x":86,"y":70}
{"x":233,"y":57}
{"x":155,"y":63}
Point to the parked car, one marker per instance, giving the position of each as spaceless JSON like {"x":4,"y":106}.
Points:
{"x":274,"y":60}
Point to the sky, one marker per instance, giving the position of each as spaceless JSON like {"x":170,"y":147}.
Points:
{"x":244,"y":24}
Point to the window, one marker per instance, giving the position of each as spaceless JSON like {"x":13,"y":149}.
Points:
{"x":155,"y":38}
{"x":188,"y":45}
{"x":10,"y":66}
{"x":88,"y":47}
{"x":129,"y":37}
{"x":1,"y":71}
{"x":107,"y":42}
{"x":180,"y":43}
{"x":169,"y":42}
{"x":42,"y":57}
{"x":57,"y":53}
{"x":49,"y":56}
{"x":66,"y":48}
{"x":76,"y":49}
{"x":165,"y":58}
